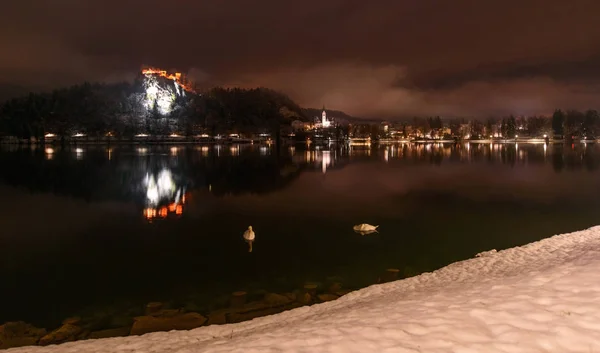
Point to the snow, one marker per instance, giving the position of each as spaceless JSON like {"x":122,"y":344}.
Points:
{"x":542,"y":297}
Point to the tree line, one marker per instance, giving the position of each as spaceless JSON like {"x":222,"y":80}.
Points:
{"x":122,"y":110}
{"x":568,"y":124}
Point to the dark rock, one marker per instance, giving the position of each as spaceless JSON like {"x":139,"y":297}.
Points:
{"x":334,"y":287}
{"x":76,"y":320}
{"x":168,"y":313}
{"x":120,"y":321}
{"x":153,"y":307}
{"x":327,"y":297}
{"x":311,"y":289}
{"x":304,"y":298}
{"x":217,"y":318}
{"x":113,"y":332}
{"x":192,"y":307}
{"x":290,"y":296}
{"x":146,"y":324}
{"x":238,"y":299}
{"x":391,"y":274}
{"x":19,"y":334}
{"x":273,"y":299}
{"x":65,"y":333}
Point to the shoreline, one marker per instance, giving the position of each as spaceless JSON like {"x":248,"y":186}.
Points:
{"x":283,"y":142}
{"x":161,"y":317}
{"x":493,"y":299}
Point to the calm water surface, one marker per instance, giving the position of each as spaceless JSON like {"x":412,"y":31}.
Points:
{"x":100,"y":231}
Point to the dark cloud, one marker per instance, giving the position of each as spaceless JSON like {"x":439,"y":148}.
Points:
{"x":389,"y":57}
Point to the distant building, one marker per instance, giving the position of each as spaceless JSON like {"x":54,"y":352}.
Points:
{"x":324,"y":123}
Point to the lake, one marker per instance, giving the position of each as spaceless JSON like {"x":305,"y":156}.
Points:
{"x":101,"y":231}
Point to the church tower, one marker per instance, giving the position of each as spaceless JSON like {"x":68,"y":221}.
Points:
{"x":324,"y":122}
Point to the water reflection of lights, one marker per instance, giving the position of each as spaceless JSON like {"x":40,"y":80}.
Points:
{"x":325,"y":161}
{"x":109,"y":151}
{"x":386,"y":155}
{"x":292,"y":150}
{"x":79,"y":153}
{"x":204,"y":150}
{"x":162,"y":189}
{"x":49,"y":153}
{"x":174,"y":151}
{"x":264,"y":150}
{"x":234,"y":150}
{"x":142,"y":151}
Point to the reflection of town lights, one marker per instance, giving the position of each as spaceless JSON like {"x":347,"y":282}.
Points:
{"x":325,"y":161}
{"x":142,"y":150}
{"x":263,"y":150}
{"x":49,"y":150}
{"x":174,"y":151}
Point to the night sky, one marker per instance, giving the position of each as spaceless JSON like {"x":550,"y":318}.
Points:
{"x":384,"y":58}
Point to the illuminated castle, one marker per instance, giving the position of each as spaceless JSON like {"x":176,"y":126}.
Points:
{"x":161,"y":95}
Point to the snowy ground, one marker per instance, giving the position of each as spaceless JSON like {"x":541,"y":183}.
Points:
{"x":542,"y":297}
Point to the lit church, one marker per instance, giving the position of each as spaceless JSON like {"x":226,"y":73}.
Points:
{"x":323,"y":123}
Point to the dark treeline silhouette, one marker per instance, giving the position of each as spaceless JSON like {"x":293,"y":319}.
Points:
{"x":569,"y":124}
{"x":123,"y":110}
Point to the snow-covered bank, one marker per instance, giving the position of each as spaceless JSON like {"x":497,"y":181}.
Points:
{"x":542,"y":297}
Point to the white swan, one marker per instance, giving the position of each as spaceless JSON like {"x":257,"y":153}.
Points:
{"x":249,"y":237}
{"x":365,"y":228}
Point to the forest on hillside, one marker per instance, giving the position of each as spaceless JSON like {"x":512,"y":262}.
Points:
{"x":125,"y":109}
